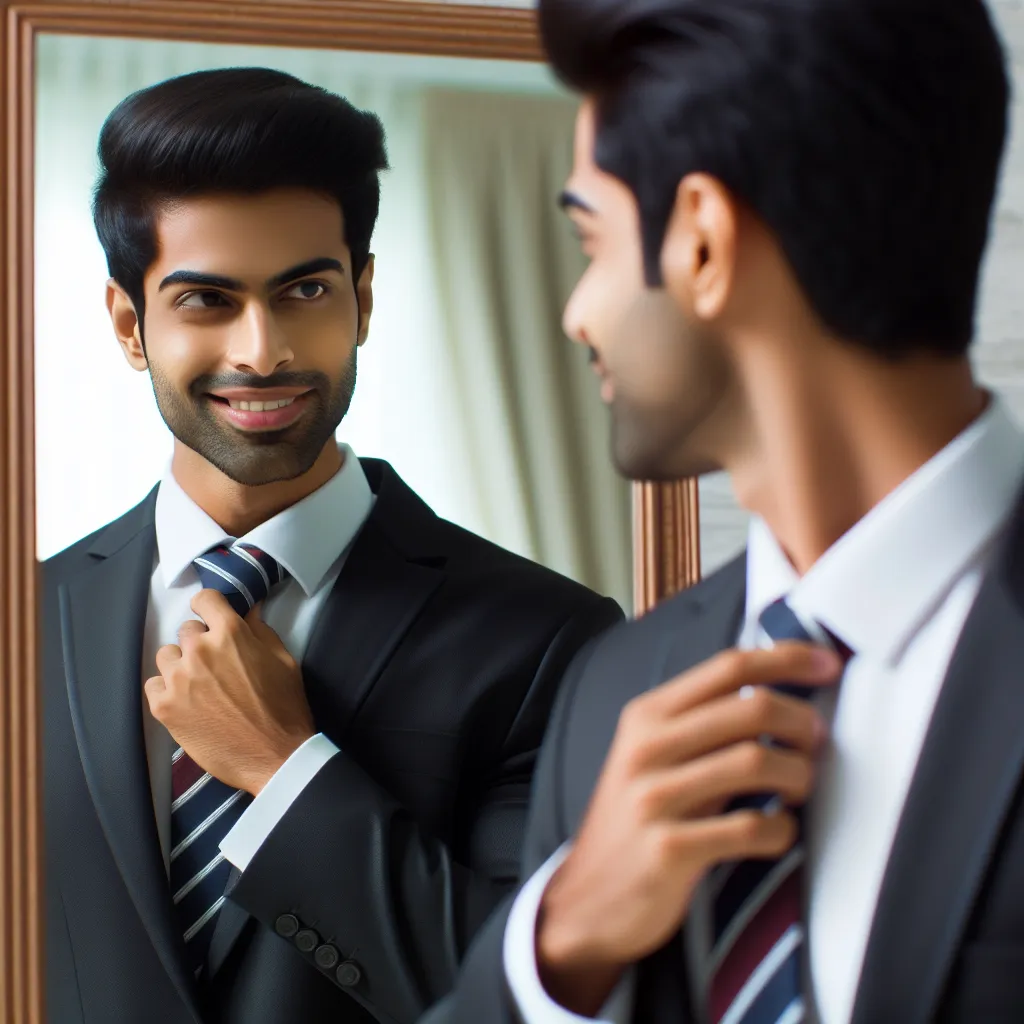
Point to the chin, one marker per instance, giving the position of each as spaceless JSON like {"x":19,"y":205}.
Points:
{"x":637,"y":458}
{"x":641,"y":467}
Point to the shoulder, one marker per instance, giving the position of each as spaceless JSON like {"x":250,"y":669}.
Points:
{"x":75,"y":554}
{"x":520,"y":604}
{"x":645,"y":643}
{"x":65,"y":564}
{"x":475,"y":557}
{"x":474,"y":567}
{"x":633,"y":657}
{"x":625,"y":661}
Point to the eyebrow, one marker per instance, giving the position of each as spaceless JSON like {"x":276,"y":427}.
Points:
{"x":230,"y":284}
{"x":571,"y":201}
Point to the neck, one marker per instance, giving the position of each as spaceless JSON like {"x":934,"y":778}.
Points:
{"x":838,"y":435}
{"x":238,"y":508}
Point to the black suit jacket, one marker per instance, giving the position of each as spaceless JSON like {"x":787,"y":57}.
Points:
{"x":433,"y":666}
{"x":947,"y":941}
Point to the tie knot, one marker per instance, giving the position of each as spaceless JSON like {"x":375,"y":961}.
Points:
{"x":780,"y":622}
{"x":243,"y":573}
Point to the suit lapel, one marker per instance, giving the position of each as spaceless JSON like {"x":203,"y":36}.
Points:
{"x":389,"y":575}
{"x":376,"y":599}
{"x":969,"y":771}
{"x":103,"y":614}
{"x":712,"y":614}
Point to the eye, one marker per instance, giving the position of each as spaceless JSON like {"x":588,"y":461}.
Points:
{"x":201,"y":300}
{"x":306,"y":291}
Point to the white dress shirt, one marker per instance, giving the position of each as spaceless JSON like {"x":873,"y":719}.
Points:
{"x":311,"y":539}
{"x":897,"y":588}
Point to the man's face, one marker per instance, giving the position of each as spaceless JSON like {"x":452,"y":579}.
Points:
{"x":252,"y":325}
{"x":663,"y":373}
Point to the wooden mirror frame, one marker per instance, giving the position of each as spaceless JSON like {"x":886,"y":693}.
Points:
{"x":666,"y":530}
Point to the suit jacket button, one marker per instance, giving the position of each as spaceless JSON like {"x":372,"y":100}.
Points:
{"x":348,"y":974}
{"x":326,"y":957}
{"x":286,"y":925}
{"x":307,"y":940}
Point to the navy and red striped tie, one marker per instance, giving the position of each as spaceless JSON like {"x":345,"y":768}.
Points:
{"x":757,"y":929}
{"x":204,"y":809}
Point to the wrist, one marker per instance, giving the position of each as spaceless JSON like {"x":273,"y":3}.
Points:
{"x":263,"y":769}
{"x":255,"y":781}
{"x":574,"y":971}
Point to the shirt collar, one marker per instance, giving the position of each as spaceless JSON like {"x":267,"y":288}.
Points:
{"x":307,"y":538}
{"x":876,"y":585}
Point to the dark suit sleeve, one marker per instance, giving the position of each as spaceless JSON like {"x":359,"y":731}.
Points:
{"x":481,"y":993}
{"x":352,"y":865}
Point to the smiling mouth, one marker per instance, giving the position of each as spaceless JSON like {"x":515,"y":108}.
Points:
{"x":279,"y":403}
{"x":254,"y":416}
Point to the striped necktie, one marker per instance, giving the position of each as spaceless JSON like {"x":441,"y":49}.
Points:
{"x":203,"y":809}
{"x":757,"y":919}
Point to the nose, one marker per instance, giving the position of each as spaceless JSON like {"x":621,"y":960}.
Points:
{"x":259,"y":345}
{"x":572,"y":319}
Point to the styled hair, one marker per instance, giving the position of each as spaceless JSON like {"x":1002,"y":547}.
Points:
{"x":866,"y":134}
{"x":234,"y":131}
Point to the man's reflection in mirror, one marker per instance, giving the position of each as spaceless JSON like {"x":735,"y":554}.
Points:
{"x":291,"y":716}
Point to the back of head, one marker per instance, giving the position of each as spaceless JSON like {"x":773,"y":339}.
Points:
{"x":236,"y":130}
{"x":866,"y":134}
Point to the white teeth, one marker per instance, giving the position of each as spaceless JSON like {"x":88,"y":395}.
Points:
{"x":261,"y":406}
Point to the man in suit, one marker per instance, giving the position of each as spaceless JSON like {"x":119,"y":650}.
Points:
{"x":300,"y":808}
{"x":786,"y":203}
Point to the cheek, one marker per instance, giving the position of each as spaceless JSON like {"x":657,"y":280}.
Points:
{"x":325,"y":345}
{"x":181,"y":352}
{"x":597,"y":308}
{"x":184,"y":349}
{"x":655,"y":356}
{"x":321,"y":330}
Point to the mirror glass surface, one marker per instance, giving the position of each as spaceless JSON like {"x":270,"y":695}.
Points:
{"x":466,"y":385}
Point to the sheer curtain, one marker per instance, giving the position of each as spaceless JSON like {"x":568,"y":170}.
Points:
{"x":100,"y":441}
{"x":506,"y":262}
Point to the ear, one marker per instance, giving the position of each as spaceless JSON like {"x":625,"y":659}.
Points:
{"x":698,"y":258}
{"x":126,"y":326}
{"x":364,"y":295}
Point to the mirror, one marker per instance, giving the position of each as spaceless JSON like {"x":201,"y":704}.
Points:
{"x":466,"y":385}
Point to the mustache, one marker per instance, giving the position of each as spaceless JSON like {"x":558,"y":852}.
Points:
{"x":592,"y":355}
{"x":299,"y":379}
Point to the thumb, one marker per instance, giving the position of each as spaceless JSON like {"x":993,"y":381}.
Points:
{"x":155,"y":689}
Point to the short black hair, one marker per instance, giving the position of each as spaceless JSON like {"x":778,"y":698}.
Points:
{"x":232,"y":130}
{"x":867,"y":135}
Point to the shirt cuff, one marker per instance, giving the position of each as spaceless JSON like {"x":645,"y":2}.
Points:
{"x":535,"y":1006}
{"x":239,"y":846}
